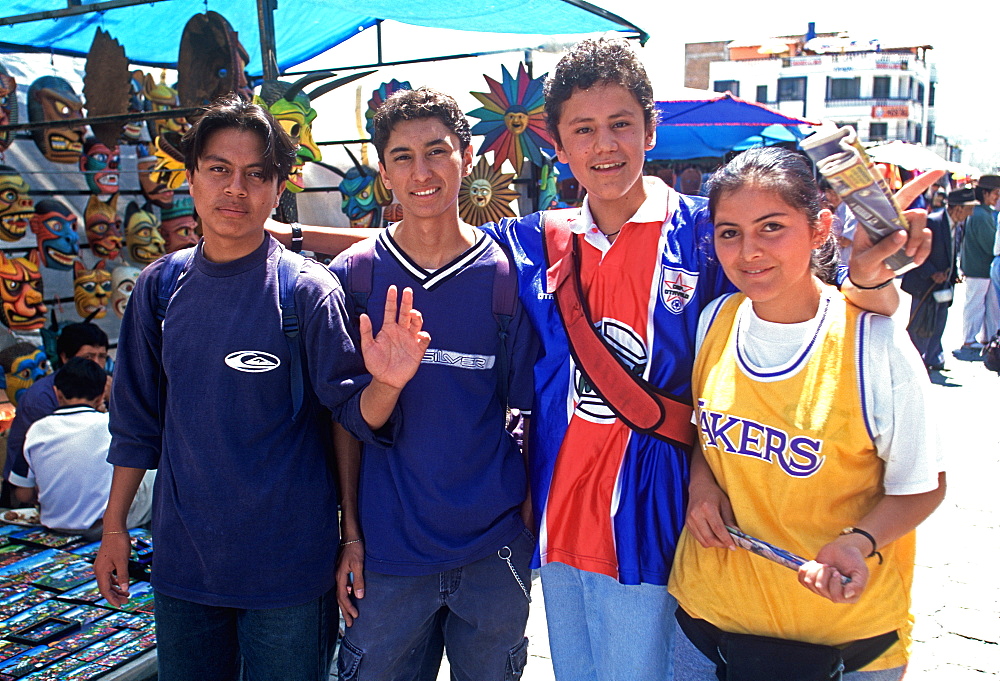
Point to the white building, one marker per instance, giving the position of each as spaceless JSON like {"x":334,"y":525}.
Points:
{"x":886,"y":92}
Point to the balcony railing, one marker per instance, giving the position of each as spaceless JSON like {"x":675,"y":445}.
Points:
{"x":873,"y":101}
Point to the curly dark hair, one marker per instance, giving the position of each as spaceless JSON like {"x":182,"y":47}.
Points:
{"x":605,"y":61}
{"x":232,"y":111}
{"x":789,"y":175}
{"x":424,"y":102}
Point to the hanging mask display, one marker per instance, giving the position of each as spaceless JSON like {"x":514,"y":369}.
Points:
{"x":358,"y":202}
{"x":106,"y":86}
{"x":23,"y":364}
{"x":91,"y":289}
{"x":293,"y":111}
{"x":178,"y":224}
{"x":100,"y":166}
{"x":51,"y":98}
{"x":142,"y":235}
{"x":122,"y":282}
{"x":485,"y":195}
{"x":8,"y":106}
{"x":54,"y":226}
{"x":379,"y":96}
{"x":212,"y":62}
{"x":161,"y":97}
{"x":104,"y":227}
{"x":16,"y":207}
{"x":21,"y":294}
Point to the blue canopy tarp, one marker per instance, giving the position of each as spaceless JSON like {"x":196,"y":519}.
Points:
{"x":151,"y":33}
{"x":700,"y":128}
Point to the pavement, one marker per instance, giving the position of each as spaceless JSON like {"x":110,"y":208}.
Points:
{"x":956,"y":599}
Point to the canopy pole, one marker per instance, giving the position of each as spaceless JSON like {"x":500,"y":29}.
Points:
{"x":73,"y":9}
{"x":378,"y":39}
{"x":265,"y":23}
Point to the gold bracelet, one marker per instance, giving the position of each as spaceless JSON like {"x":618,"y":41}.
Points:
{"x":115,"y":532}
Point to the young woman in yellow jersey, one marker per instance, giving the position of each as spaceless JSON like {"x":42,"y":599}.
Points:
{"x":814,"y":437}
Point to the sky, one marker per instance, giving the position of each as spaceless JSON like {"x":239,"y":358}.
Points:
{"x":967,"y":105}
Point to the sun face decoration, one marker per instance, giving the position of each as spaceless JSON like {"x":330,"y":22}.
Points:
{"x":485,"y":195}
{"x":512,"y":119}
{"x":379,"y":96}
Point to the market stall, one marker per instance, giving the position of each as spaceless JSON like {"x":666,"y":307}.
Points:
{"x":54,"y":624}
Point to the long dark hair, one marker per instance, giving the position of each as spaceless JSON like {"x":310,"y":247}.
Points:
{"x":790,"y":176}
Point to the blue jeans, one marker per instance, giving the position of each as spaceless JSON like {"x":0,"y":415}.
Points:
{"x":477,"y":612}
{"x":691,"y":665}
{"x":208,"y":643}
{"x":602,"y":630}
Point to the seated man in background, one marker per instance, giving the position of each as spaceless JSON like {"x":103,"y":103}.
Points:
{"x":65,"y":456}
{"x":82,"y":339}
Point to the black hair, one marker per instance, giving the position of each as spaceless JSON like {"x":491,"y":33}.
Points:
{"x":789,"y":175}
{"x":231,"y":111}
{"x":981,"y":193}
{"x":80,"y":378}
{"x":605,"y":61}
{"x":75,"y":336}
{"x":424,"y":102}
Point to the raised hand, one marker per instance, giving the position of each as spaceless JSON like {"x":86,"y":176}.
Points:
{"x":393,"y":356}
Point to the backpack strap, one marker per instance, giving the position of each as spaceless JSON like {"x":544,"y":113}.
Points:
{"x":175,"y":265}
{"x":504,"y":306}
{"x":361,"y":273}
{"x":642,"y":406}
{"x":289,"y":266}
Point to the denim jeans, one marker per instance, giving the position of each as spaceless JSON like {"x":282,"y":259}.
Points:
{"x":602,"y":630}
{"x":477,"y":612}
{"x":207,"y":643}
{"x":691,"y":665}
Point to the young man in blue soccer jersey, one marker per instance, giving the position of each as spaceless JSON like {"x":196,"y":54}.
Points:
{"x":437,"y":545}
{"x":245,"y":504}
{"x":610,"y":501}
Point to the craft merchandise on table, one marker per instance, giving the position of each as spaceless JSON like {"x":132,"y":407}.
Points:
{"x":54,"y":624}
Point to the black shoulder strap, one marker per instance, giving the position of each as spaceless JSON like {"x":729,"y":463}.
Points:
{"x":289,"y":266}
{"x":504,"y":305}
{"x":360,"y":273}
{"x":174,"y":266}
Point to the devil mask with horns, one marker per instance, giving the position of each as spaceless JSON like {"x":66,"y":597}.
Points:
{"x":16,"y":206}
{"x":104,"y":227}
{"x":142,"y":235}
{"x":100,"y":166}
{"x":91,"y":289}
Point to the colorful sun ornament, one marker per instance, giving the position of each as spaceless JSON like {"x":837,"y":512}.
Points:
{"x":512,"y":119}
{"x":379,"y":96}
{"x":485,"y":195}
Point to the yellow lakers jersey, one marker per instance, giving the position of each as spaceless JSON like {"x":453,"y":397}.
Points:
{"x":791,"y":449}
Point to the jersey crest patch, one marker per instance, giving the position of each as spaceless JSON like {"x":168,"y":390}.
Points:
{"x":677,"y":287}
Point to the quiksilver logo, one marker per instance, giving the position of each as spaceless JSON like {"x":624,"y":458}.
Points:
{"x":252,"y":361}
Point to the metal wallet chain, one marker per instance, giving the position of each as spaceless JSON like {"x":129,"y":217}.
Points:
{"x":506,"y":559}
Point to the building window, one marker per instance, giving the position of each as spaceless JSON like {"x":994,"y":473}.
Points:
{"x":920,"y":92}
{"x":727,"y":86}
{"x":918,"y":133}
{"x":930,"y":133}
{"x":791,"y":89}
{"x":930,"y":95}
{"x":762,"y":94}
{"x":878,"y":131}
{"x":843,"y":88}
{"x":880,"y":87}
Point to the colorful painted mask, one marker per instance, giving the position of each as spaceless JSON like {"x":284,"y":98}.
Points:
{"x":21,"y":296}
{"x":485,"y":195}
{"x":51,"y":98}
{"x":122,"y":282}
{"x":100,"y":166}
{"x":16,"y":207}
{"x":162,"y":97}
{"x":54,"y":226}
{"x":91,"y":289}
{"x":548,"y":186}
{"x":358,"y":202}
{"x":168,"y":170}
{"x":296,"y":116}
{"x":179,"y":224}
{"x":132,"y":132}
{"x":8,"y":106}
{"x":104,"y":227}
{"x":23,"y":365}
{"x":155,"y":192}
{"x":142,"y":235}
